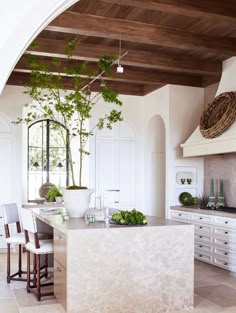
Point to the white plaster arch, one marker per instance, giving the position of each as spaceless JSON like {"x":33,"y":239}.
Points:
{"x":21,"y":21}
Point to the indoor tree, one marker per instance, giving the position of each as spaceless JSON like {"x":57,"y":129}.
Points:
{"x":62,"y":91}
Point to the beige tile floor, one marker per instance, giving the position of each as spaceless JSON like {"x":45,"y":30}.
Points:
{"x":215,"y":292}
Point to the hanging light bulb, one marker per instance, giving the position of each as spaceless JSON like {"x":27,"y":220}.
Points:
{"x":102,"y":83}
{"x":119,"y":68}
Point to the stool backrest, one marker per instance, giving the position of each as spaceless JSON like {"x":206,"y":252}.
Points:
{"x":10,"y":216}
{"x":10,"y":213}
{"x":28,"y":220}
{"x":30,"y":226}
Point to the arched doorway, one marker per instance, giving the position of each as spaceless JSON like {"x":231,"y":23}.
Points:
{"x":156,"y":166}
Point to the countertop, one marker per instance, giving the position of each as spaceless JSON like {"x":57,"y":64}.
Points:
{"x":202,"y":211}
{"x":71,"y":224}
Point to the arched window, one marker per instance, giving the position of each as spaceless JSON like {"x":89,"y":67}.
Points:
{"x":47,"y":156}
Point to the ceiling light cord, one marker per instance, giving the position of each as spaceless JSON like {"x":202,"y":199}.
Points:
{"x":119,"y":68}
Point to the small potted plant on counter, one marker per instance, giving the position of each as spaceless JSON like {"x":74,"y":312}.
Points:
{"x":54,"y":194}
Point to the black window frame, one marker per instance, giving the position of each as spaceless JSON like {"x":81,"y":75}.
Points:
{"x":48,"y":121}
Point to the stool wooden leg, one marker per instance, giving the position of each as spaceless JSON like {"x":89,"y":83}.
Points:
{"x":46,"y":264}
{"x":8,"y":263}
{"x":20,"y":262}
{"x":38,"y":277}
{"x":34,"y":270}
{"x":28,"y":272}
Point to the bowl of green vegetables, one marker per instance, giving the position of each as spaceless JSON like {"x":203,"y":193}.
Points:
{"x":133,"y":217}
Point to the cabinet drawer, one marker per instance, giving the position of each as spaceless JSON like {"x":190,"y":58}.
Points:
{"x":226,"y":264}
{"x":201,"y":218}
{"x":227,"y":244}
{"x":202,"y":247}
{"x":60,"y":285}
{"x":225,"y":254}
{"x":202,"y":228}
{"x":224,"y":221}
{"x":204,"y":238}
{"x":203,"y":256}
{"x":179,"y":215}
{"x":60,"y":249}
{"x":225,"y":232}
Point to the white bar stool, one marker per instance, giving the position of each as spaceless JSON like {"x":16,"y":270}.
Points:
{"x":37,"y":248}
{"x":11,"y":216}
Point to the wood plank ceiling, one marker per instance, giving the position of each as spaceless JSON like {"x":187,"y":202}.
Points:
{"x":179,"y":42}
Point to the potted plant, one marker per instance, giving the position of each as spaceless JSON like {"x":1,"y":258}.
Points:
{"x":71,"y":108}
{"x":53,"y":193}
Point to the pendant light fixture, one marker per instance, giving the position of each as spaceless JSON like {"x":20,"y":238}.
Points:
{"x":119,"y":68}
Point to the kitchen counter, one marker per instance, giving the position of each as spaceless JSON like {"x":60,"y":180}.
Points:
{"x":202,"y":211}
{"x":122,"y":269}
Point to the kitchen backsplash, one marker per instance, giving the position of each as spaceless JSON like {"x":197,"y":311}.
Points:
{"x":221,"y":167}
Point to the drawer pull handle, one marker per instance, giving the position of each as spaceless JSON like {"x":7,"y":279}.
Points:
{"x":200,"y":227}
{"x":200,"y":218}
{"x":200,"y":236}
{"x":58,"y":269}
{"x":226,"y":222}
{"x":180,"y":214}
{"x":226,"y":242}
{"x":226,"y":253}
{"x":225,"y":263}
{"x":200,"y":246}
{"x":200,"y":255}
{"x":0,"y":216}
{"x":226,"y":232}
{"x":1,"y":235}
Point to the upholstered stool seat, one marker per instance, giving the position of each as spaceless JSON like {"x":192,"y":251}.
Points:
{"x":11,"y":216}
{"x":46,"y":247}
{"x":18,"y":239}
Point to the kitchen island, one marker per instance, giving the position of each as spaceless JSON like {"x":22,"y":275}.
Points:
{"x":102,"y":268}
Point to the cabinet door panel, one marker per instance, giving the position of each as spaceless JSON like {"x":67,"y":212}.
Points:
{"x":105,"y":168}
{"x":60,"y":247}
{"x":60,"y":283}
{"x":127,"y":173}
{"x":5,"y":168}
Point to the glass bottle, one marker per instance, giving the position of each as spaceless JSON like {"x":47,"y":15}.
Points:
{"x":99,"y":213}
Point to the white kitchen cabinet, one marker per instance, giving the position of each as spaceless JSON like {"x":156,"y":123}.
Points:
{"x":215,"y":237}
{"x":115,"y":166}
{"x":60,"y":267}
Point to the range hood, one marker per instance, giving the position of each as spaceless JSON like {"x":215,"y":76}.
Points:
{"x":197,"y":145}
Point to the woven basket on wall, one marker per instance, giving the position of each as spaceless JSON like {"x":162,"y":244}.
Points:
{"x":219,"y":115}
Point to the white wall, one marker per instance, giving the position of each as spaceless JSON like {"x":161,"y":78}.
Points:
{"x":11,"y":104}
{"x":186,"y":107}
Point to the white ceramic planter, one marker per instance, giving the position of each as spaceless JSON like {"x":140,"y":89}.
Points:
{"x":77,"y":201}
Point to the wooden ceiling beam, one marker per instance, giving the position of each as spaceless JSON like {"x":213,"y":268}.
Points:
{"x":224,"y":11}
{"x":146,"y":59}
{"x":104,"y":27}
{"x":130,"y":75}
{"x":21,"y":79}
